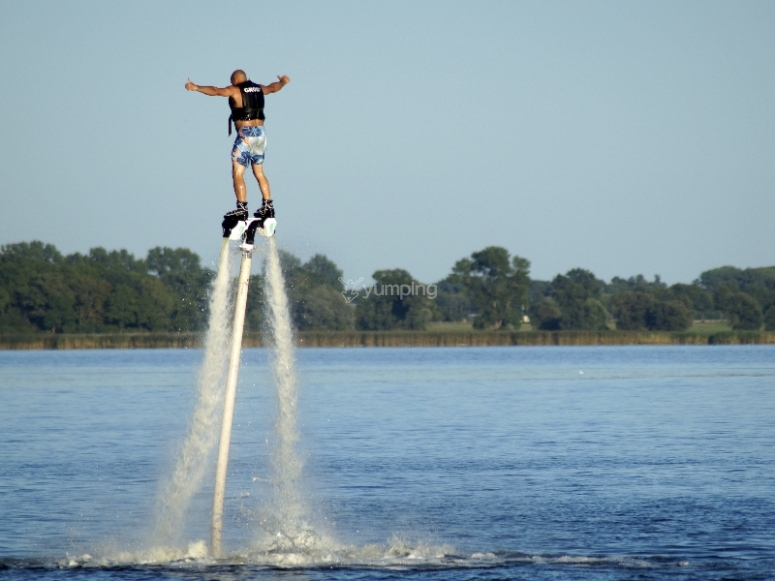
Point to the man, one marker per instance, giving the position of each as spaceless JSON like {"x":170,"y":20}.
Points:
{"x":246,"y":100}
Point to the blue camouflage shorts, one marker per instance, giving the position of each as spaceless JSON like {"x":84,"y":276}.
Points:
{"x":249,"y":146}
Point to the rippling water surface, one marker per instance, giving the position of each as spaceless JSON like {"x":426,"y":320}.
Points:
{"x":462,"y":463}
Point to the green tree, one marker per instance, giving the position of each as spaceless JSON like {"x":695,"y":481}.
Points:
{"x":743,"y":312}
{"x":692,"y":296}
{"x":155,"y":304}
{"x":637,"y":284}
{"x":26,"y":271}
{"x":639,"y":310}
{"x":31,"y":253}
{"x":314,"y":295}
{"x":323,"y":308}
{"x":391,"y":305}
{"x":317,"y":302}
{"x":572,"y":294}
{"x":595,"y":315}
{"x":758,"y":283}
{"x":538,"y":291}
{"x":743,"y":279}
{"x":47,"y":302}
{"x":769,"y":319}
{"x":101,"y":291}
{"x":5,"y":303}
{"x":91,"y":295}
{"x":320,"y":271}
{"x":764,"y":296}
{"x":31,"y":301}
{"x":58,"y":313}
{"x":669,"y":316}
{"x":121,"y":307}
{"x":117,"y":261}
{"x":722,"y":296}
{"x":181,"y":272}
{"x":453,"y":301}
{"x":166,"y":260}
{"x":631,"y":310}
{"x":497,"y":286}
{"x":289,"y":264}
{"x":545,"y":315}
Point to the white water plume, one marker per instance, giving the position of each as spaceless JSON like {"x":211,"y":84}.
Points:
{"x":193,"y":460}
{"x":286,"y":524}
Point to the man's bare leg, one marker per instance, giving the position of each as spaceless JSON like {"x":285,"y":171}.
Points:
{"x":263,"y":183}
{"x":238,"y":175}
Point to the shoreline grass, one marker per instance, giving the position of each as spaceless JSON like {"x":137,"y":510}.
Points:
{"x":429,"y":338}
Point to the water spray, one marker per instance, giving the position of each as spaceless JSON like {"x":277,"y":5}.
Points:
{"x":196,"y":451}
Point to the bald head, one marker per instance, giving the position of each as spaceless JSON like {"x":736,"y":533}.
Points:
{"x":238,"y":76}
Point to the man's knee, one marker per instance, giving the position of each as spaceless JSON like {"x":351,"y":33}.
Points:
{"x":258,"y":171}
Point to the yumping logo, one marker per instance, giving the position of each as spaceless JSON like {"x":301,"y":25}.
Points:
{"x":350,"y":292}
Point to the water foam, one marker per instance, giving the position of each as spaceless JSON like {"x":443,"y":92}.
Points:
{"x":196,"y":452}
{"x":395,"y":554}
{"x":398,"y":554}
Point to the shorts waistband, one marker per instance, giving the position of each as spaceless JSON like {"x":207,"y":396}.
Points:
{"x":251,"y":130}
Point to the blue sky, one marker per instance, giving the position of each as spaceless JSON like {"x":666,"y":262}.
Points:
{"x":621,"y":137}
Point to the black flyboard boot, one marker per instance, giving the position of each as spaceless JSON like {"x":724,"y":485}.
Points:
{"x":266,"y":221}
{"x":234,"y":222}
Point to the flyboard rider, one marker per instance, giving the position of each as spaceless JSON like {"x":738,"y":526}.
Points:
{"x":246,"y":100}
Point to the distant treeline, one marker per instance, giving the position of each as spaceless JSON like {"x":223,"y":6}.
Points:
{"x":42,"y":290}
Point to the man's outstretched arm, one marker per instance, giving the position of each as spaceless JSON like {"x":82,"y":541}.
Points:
{"x":212,"y":91}
{"x":277,"y":85}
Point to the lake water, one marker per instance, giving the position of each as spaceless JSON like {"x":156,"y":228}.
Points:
{"x":451,"y":464}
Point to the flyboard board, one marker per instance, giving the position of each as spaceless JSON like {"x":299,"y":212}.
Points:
{"x":245,"y":230}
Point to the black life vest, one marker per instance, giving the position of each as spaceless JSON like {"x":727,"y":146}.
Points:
{"x":252,"y":104}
